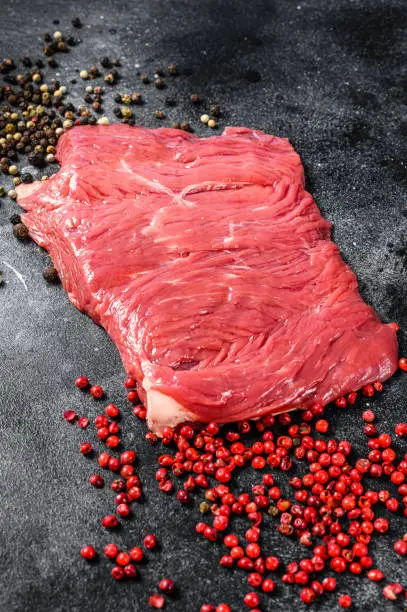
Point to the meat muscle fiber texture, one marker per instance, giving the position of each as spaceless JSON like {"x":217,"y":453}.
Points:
{"x":210,"y":267}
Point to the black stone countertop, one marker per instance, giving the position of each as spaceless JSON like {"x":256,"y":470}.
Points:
{"x":332,"y":77}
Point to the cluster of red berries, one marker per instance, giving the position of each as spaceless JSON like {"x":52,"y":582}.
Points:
{"x":333,"y":512}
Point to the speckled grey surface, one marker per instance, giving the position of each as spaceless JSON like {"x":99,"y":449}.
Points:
{"x":332,"y":77}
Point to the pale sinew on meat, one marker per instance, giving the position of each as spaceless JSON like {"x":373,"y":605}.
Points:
{"x":210,"y":267}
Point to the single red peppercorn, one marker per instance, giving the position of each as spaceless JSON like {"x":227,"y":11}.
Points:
{"x":156,"y":601}
{"x":88,"y":552}
{"x":167,"y":586}
{"x":126,"y":471}
{"x":113,"y":464}
{"x":136,"y":554}
{"x":83,"y":422}
{"x":96,"y":481}
{"x":322,"y":426}
{"x":70,"y":416}
{"x":128,"y":457}
{"x":345,"y":601}
{"x":400,"y":547}
{"x":268,"y":585}
{"x":103,"y":433}
{"x":117,"y":572}
{"x":101,"y":421}
{"x":251,"y":600}
{"x":96,"y":392}
{"x":254,"y":579}
{"x":133,"y":397}
{"x":307,"y":595}
{"x":111,"y":551}
{"x":86,"y":448}
{"x":150,"y":541}
{"x":222,"y":608}
{"x":81,"y":382}
{"x":272,"y":563}
{"x":403,"y":364}
{"x":122,"y":559}
{"x":130,"y":383}
{"x":375,"y":575}
{"x":130,"y":571}
{"x":123,"y":510}
{"x":110,"y":521}
{"x":329,"y":583}
{"x":113,"y":441}
{"x":112,"y":411}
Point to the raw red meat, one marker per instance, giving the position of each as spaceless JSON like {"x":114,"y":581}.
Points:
{"x":210,"y":267}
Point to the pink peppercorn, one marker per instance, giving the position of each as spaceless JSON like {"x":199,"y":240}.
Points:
{"x":86,"y":448}
{"x":111,"y":551}
{"x":96,"y":391}
{"x":112,"y":411}
{"x":83,"y":422}
{"x":150,"y":541}
{"x":156,"y":601}
{"x":136,"y":554}
{"x":345,"y":601}
{"x":109,"y":521}
{"x":88,"y":553}
{"x":117,"y":572}
{"x":96,"y":481}
{"x":70,"y":416}
{"x":81,"y":382}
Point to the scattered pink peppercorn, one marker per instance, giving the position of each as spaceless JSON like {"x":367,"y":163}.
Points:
{"x":167,"y":586}
{"x":113,"y":464}
{"x":123,"y":510}
{"x":400,"y":547}
{"x":101,"y":421}
{"x":130,"y":571}
{"x":403,"y":364}
{"x":112,"y":441}
{"x":136,"y":554}
{"x":133,"y":397}
{"x":112,"y":411}
{"x":96,"y":481}
{"x":156,"y":601}
{"x":81,"y":382}
{"x":130,"y":383}
{"x":223,"y":608}
{"x":86,"y":448}
{"x":128,"y":457}
{"x":307,"y":595}
{"x":150,"y":541}
{"x":122,"y":559}
{"x":110,"y":521}
{"x":70,"y":416}
{"x":345,"y":601}
{"x":96,"y":392}
{"x":88,"y":552}
{"x":83,"y":422}
{"x":111,"y":551}
{"x":117,"y":572}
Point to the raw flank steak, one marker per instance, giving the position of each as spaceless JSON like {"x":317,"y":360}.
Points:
{"x":210,"y":267}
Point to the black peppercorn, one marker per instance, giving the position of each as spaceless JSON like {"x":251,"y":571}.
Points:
{"x":170,"y":102}
{"x":145,"y":78}
{"x":214,"y":110}
{"x":27,"y":177}
{"x":159,"y":114}
{"x":195,"y":99}
{"x":76,"y":22}
{"x":106,"y":63}
{"x":47,"y":37}
{"x":20,"y":231}
{"x":50,"y":274}
{"x":186,"y":126}
{"x":36,"y":158}
{"x":159,"y":83}
{"x":14,"y":219}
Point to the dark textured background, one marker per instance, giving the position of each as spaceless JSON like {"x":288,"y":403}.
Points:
{"x":332,"y":77}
